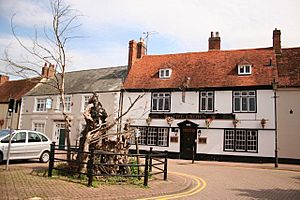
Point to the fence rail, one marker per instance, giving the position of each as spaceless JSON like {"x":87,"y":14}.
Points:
{"x":152,"y":160}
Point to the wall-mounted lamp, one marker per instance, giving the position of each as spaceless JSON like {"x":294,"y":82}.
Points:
{"x":199,"y":132}
{"x":291,"y":111}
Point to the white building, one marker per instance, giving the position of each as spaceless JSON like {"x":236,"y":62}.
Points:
{"x":218,"y":104}
{"x":79,"y":86}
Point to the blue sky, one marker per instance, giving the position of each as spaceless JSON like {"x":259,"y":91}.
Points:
{"x":181,"y":26}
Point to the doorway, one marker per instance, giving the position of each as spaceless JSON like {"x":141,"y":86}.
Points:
{"x":62,"y":138}
{"x":188,"y":138}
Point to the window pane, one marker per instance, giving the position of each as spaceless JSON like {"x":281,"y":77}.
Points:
{"x":252,"y":104}
{"x":203,"y":103}
{"x":240,"y":140}
{"x":160,"y":104}
{"x":244,"y":104}
{"x":19,"y":138}
{"x":152,"y":136}
{"x":167,"y":104}
{"x":237,"y":106}
{"x":210,"y":104}
{"x":33,"y":137}
{"x":162,"y":136}
{"x":154,"y":105}
{"x":252,"y":141}
{"x":229,"y":140}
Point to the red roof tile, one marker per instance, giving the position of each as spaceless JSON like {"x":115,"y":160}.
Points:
{"x":205,"y":69}
{"x":16,"y":89}
{"x":289,"y":68}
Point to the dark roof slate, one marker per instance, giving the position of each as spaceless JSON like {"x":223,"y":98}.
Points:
{"x":86,"y":81}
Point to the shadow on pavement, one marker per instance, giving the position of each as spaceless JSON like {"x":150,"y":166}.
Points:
{"x":270,"y":194}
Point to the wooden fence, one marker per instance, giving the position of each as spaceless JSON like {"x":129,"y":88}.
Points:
{"x":151,"y":160}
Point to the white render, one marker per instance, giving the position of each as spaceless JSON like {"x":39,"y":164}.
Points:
{"x":288,"y":112}
{"x":215,"y":132}
{"x":53,"y":118}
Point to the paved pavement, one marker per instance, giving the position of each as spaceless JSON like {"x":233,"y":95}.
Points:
{"x":223,"y":180}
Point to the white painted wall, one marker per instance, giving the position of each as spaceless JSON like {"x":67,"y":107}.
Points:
{"x":288,"y":123}
{"x":215,"y":133}
{"x":109,"y":100}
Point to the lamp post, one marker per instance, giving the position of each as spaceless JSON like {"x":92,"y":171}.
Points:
{"x":275,"y":85}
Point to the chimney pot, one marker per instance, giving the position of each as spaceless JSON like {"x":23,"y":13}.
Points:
{"x":217,"y":34}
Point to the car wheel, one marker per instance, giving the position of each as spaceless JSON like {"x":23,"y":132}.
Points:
{"x":45,"y":157}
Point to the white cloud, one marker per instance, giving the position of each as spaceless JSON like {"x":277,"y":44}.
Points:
{"x":182,"y":25}
{"x":27,"y":13}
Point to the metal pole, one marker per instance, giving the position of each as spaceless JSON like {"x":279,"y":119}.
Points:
{"x":8,"y":149}
{"x":276,"y":133}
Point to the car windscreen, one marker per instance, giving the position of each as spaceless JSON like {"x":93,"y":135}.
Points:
{"x":4,"y":133}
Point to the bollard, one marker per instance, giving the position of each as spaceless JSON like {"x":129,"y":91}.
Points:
{"x":51,"y":161}
{"x":90,"y":168}
{"x":146,"y":170}
{"x":166,"y":166}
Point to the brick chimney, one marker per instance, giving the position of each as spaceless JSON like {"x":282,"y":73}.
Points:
{"x":51,"y":71}
{"x":277,"y":41}
{"x":141,"y":48}
{"x":132,"y":53}
{"x":45,"y":70}
{"x":214,"y":42}
{"x":48,"y":72}
{"x":3,"y":79}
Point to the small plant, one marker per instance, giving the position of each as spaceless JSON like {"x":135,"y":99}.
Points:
{"x":235,"y":122}
{"x":208,"y":121}
{"x":263,"y":122}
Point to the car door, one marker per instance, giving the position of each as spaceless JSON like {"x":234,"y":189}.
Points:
{"x":34,"y":145}
{"x":17,"y":148}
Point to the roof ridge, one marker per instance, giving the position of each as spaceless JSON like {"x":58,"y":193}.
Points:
{"x":199,"y":52}
{"x":104,"y":68}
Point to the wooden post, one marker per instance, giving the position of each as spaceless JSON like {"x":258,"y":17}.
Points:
{"x":150,"y":161}
{"x":90,"y":168}
{"x":51,"y":161}
{"x":146,"y":174}
{"x":166,"y":166}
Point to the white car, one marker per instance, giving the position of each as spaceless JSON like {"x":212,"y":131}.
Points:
{"x":25,"y":144}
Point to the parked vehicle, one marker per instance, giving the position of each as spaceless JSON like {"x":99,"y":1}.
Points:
{"x":25,"y":144}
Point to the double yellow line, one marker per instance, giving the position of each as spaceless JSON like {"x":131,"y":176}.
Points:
{"x":200,"y":185}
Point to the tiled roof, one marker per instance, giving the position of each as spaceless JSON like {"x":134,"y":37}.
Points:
{"x":87,"y":81}
{"x":205,"y":69}
{"x":17,"y":88}
{"x":289,"y":68}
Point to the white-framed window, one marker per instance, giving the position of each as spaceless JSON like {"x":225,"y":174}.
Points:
{"x":161,"y":102}
{"x":206,"y":101}
{"x":244,"y":69}
{"x":162,"y":139}
{"x":142,"y":138}
{"x":154,"y":136}
{"x":229,"y":140}
{"x":39,"y":127}
{"x":165,"y":73}
{"x":68,"y":103}
{"x":244,"y":101}
{"x":241,"y":140}
{"x":40,"y":104}
{"x":85,"y":102}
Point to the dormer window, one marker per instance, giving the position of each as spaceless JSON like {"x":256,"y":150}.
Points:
{"x":165,"y":73}
{"x":244,"y":69}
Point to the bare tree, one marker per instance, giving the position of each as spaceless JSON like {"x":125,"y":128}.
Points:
{"x":53,"y":52}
